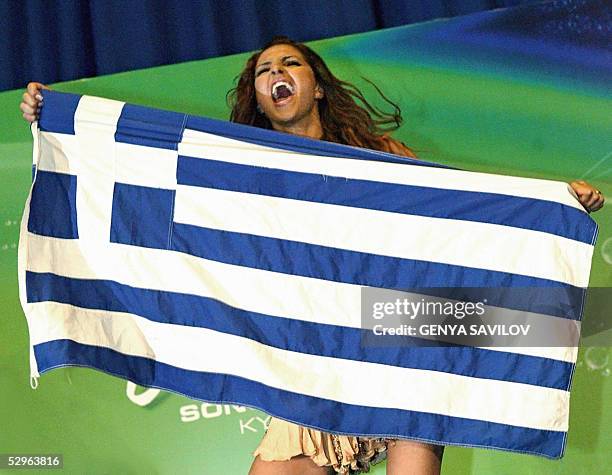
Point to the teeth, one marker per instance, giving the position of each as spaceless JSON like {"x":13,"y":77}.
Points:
{"x":281,"y":83}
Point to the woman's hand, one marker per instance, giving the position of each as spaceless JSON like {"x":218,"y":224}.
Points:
{"x":589,"y":197}
{"x":32,"y":101}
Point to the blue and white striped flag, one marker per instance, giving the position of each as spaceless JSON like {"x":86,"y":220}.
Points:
{"x":225,"y":263}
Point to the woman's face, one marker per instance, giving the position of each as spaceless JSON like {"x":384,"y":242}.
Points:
{"x":286,"y":89}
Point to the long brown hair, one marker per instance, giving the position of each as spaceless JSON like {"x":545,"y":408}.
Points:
{"x":346,"y":116}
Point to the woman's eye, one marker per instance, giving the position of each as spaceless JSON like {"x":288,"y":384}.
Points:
{"x":263,"y":70}
{"x":293,"y":63}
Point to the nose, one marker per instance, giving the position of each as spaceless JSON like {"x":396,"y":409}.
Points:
{"x":277,"y":68}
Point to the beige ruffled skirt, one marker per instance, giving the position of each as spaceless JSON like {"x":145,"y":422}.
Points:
{"x":346,"y":454}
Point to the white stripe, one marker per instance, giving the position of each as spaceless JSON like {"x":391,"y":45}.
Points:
{"x":200,"y":349}
{"x":269,"y":293}
{"x":146,"y":166}
{"x":58,"y":152}
{"x":448,"y":241}
{"x":95,"y":123}
{"x":202,"y":145}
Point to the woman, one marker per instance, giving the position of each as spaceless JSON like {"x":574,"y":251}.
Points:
{"x":287,"y":87}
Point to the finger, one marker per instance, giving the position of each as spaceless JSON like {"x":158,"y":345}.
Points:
{"x":27,"y":109}
{"x":599,"y":205}
{"x":585,"y":191}
{"x":599,"y":202}
{"x":584,"y":196}
{"x":29,"y":100}
{"x":33,"y":88}
{"x":590,"y":203}
{"x":29,"y":117}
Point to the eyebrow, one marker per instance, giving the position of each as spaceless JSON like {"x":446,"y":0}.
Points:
{"x":282,"y":59}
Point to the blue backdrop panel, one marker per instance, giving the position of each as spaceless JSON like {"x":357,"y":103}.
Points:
{"x":69,"y":39}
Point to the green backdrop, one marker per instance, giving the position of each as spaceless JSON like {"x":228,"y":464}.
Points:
{"x":485,"y":112}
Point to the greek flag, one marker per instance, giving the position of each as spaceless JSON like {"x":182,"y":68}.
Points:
{"x":226,"y":263}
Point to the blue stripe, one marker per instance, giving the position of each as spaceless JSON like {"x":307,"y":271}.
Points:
{"x":57,"y":113}
{"x":314,"y":338}
{"x":295,"y":143}
{"x":53,"y":205}
{"x":482,"y":207}
{"x":372,"y":270}
{"x":140,"y":125}
{"x":323,"y":414}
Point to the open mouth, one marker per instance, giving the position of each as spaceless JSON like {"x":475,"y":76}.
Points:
{"x":282,"y":90}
